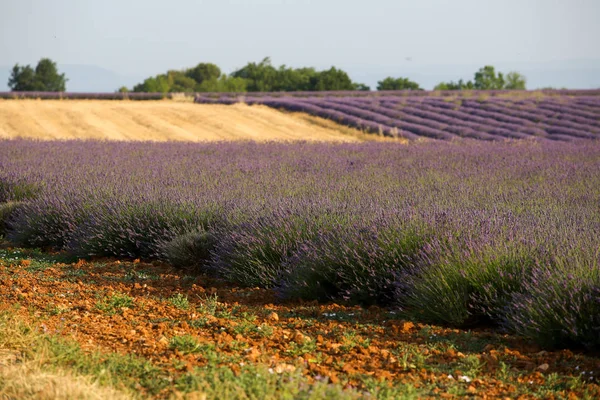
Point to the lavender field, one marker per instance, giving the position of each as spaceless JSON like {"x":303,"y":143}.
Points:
{"x":503,"y":234}
{"x":557,"y":116}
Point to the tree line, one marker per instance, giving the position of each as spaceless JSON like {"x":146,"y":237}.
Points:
{"x":256,"y":77}
{"x":264,"y":77}
{"x":487,"y":79}
{"x":44,"y":78}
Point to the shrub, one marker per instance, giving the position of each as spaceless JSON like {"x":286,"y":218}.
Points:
{"x":559,"y":305}
{"x":191,"y":250}
{"x":6,"y":210}
{"x":251,"y":254}
{"x":17,"y":189}
{"x":461,"y":283}
{"x":134,"y":228}
{"x":352,"y":264}
{"x":48,"y":221}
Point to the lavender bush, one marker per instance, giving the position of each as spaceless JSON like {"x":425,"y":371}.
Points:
{"x":559,"y":304}
{"x":355,"y":263}
{"x":463,"y":283}
{"x":190,"y":250}
{"x":450,"y":232}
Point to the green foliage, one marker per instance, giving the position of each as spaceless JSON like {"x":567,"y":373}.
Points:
{"x":261,"y":77}
{"x":332,"y":79}
{"x":190,"y":250}
{"x":209,"y":304}
{"x":390,"y":83}
{"x":295,"y":79}
{"x":362,"y":87}
{"x":460,"y":85}
{"x":253,"y":77}
{"x":201,"y":78}
{"x":515,"y":81}
{"x":115,"y":303}
{"x":180,"y":301}
{"x":44,"y":78}
{"x":222,"y":84}
{"x":21,"y":78}
{"x":487,"y":79}
{"x":204,"y":72}
{"x":157,"y":84}
{"x":179,"y":82}
{"x":186,"y":344}
{"x":232,"y":84}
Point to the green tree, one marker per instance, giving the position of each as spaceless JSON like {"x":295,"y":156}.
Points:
{"x":362,"y":87}
{"x":180,"y":82}
{"x":390,"y":83}
{"x":21,"y":78}
{"x":157,"y":84}
{"x":204,"y":72}
{"x":231,"y":84}
{"x":291,"y":80}
{"x":261,"y":77}
{"x":486,"y":79}
{"x":460,"y":85}
{"x":264,"y":77}
{"x":45,"y":78}
{"x":253,"y":77}
{"x":332,"y":79}
{"x":515,"y":81}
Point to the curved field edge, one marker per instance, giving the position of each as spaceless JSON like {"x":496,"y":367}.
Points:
{"x":485,"y":116}
{"x":145,"y":330}
{"x":502,"y":234}
{"x":162,"y":121}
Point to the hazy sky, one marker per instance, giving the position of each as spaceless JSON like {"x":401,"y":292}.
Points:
{"x":150,"y":36}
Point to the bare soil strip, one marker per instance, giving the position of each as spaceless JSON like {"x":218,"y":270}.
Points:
{"x":184,"y":324}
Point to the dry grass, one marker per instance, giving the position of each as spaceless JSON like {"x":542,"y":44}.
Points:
{"x":26,"y":371}
{"x":31,"y":381}
{"x":163,"y":121}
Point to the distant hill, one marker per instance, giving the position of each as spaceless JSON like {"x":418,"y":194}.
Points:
{"x":84,"y":78}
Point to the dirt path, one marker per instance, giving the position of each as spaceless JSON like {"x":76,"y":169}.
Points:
{"x":162,"y":121}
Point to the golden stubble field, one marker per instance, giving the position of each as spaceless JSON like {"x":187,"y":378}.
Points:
{"x":163,"y":120}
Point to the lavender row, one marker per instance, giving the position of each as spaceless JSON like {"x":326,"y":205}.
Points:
{"x":455,"y":126}
{"x":505,"y":233}
{"x":561,"y":118}
{"x":417,"y":93}
{"x":531,"y":117}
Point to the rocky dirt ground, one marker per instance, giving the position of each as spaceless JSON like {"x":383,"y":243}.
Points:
{"x":182,"y":323}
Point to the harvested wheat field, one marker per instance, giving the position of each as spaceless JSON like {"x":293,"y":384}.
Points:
{"x":163,"y":121}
